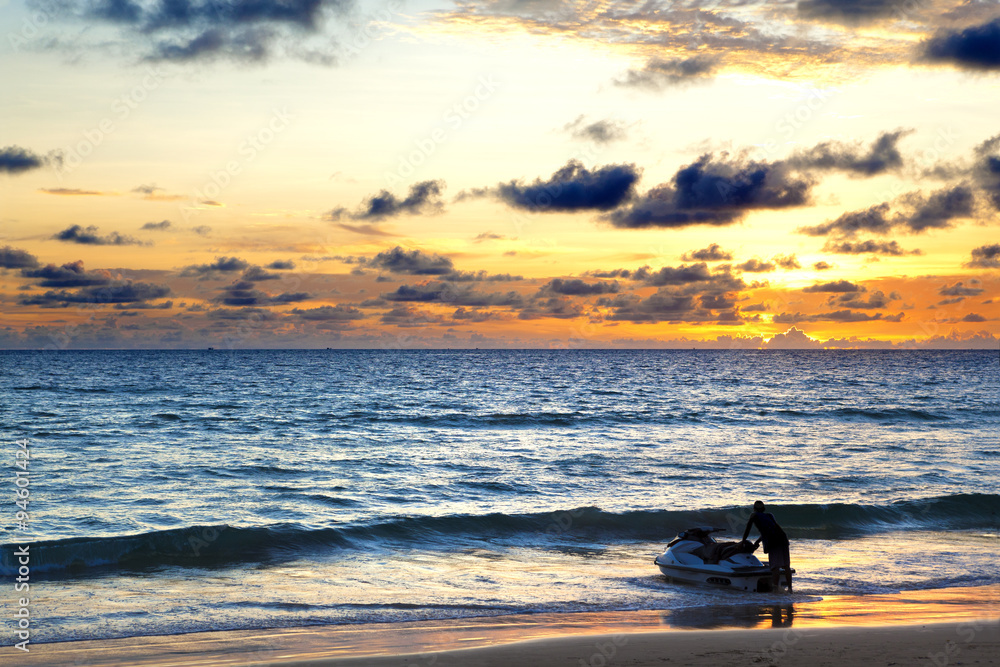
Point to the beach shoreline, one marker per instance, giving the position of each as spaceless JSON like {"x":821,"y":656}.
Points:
{"x":938,"y":625}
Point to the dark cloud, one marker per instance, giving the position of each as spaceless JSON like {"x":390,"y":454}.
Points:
{"x":973,"y":317}
{"x":681,"y":275}
{"x":890,"y":248}
{"x":985,"y":257}
{"x":413,"y":262}
{"x":557,"y":307}
{"x":201,"y":230}
{"x":166,"y":305}
{"x":712,"y":253}
{"x":189,"y":30}
{"x":248,"y":314}
{"x":987,"y":169}
{"x":258,"y":273}
{"x":281,"y":265}
{"x":822,"y":266}
{"x":89,"y":236}
{"x":663,"y":305}
{"x":244,"y":293}
{"x":118,"y":292}
{"x":441,"y":292}
{"x":642,"y":273}
{"x":755,"y":265}
{"x":835,"y":286}
{"x":660,"y":73}
{"x":976,"y":47}
{"x":488,"y":236}
{"x":573,"y":188}
{"x":755,"y":308}
{"x":160,"y":226}
{"x":424,"y":198}
{"x":883,"y":155}
{"x":876,"y":299}
{"x":937,"y":210}
{"x":873,"y":219}
{"x":407,"y":316}
{"x":959,"y":289}
{"x":787,"y":262}
{"x":847,"y":11}
{"x":714,"y":191}
{"x":338,"y":313}
{"x":220,"y":265}
{"x":15,"y":258}
{"x":577,"y":287}
{"x":71,"y":274}
{"x":16,"y":160}
{"x":600,"y":131}
{"x":836,"y":316}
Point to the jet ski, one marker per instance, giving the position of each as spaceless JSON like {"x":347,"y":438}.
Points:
{"x":695,"y":557}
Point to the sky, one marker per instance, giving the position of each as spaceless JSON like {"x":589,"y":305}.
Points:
{"x":499,"y":174}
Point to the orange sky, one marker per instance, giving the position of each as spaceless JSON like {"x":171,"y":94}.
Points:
{"x":500,"y":174}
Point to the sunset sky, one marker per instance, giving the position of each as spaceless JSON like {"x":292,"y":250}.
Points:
{"x":514,"y":173}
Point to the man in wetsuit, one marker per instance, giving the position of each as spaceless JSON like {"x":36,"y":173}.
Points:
{"x":775,"y":543}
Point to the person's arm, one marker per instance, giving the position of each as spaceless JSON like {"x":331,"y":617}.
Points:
{"x":749,"y":525}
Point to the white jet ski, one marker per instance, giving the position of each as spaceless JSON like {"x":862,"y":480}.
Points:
{"x":695,"y":557}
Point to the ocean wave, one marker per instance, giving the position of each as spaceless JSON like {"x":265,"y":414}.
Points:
{"x":220,"y":545}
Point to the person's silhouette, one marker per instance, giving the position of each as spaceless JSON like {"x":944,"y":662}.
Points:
{"x":775,"y":543}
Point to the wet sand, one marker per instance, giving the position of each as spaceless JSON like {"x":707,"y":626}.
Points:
{"x":938,"y":627}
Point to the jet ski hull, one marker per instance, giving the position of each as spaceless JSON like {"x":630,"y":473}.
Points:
{"x":755,"y":579}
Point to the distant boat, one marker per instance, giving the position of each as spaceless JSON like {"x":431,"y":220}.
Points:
{"x":211,"y":348}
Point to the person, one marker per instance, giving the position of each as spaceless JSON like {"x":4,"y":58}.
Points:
{"x":775,"y":543}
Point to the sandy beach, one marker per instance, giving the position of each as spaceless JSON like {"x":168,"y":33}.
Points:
{"x":942,"y":627}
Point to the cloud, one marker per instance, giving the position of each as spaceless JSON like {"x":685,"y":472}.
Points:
{"x":937,"y":210}
{"x":713,"y":253}
{"x":922,"y":212}
{"x":205,"y":30}
{"x":72,"y":192}
{"x":834,"y":286}
{"x":600,"y":131}
{"x":876,"y":299}
{"x":959,"y":289}
{"x":976,"y":47}
{"x":15,"y":258}
{"x":557,"y":307}
{"x":714,"y":191}
{"x":424,"y":198}
{"x":572,"y":187}
{"x":258,"y":274}
{"x":847,"y":11}
{"x":281,"y":265}
{"x":660,"y":73}
{"x":71,"y":274}
{"x":890,"y":248}
{"x":338,"y":313}
{"x":17,"y":160}
{"x":413,"y":262}
{"x":822,"y":266}
{"x":873,"y":219}
{"x":89,"y":236}
{"x":846,"y":316}
{"x":160,"y":226}
{"x":118,"y":292}
{"x":442,"y":292}
{"x":985,"y":257}
{"x":793,"y":339}
{"x":220,"y":265}
{"x":201,"y":230}
{"x":973,"y":317}
{"x":577,"y":287}
{"x":787,"y":262}
{"x":755,"y":265}
{"x":883,"y":155}
{"x":243,"y":293}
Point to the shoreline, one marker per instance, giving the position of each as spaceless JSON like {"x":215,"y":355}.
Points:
{"x":908,"y":621}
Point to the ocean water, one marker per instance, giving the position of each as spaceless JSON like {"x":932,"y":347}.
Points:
{"x":177,"y":491}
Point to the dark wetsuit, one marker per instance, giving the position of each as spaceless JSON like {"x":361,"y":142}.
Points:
{"x":774,"y":538}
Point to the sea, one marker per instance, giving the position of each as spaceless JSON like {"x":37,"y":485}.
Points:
{"x":182,"y":491}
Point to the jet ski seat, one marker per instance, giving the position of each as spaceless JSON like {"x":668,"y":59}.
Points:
{"x":713,"y":552}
